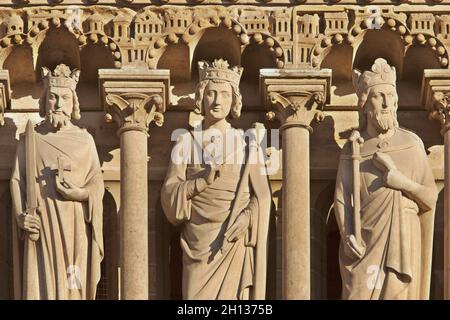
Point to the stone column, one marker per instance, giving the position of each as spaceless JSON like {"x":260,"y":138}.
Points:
{"x":295,"y":98}
{"x":5,"y":98}
{"x":133,"y":99}
{"x":436,"y":99}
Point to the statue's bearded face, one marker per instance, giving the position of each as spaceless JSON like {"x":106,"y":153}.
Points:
{"x":217,"y":100}
{"x":381,"y":107}
{"x":60,"y":106}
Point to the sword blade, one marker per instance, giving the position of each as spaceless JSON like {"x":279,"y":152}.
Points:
{"x":30,"y":156}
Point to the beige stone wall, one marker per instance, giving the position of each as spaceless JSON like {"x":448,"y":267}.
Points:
{"x":276,"y":34}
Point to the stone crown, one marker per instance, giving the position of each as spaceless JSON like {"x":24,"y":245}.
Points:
{"x":219,"y":70}
{"x":62,"y":76}
{"x":380,"y":73}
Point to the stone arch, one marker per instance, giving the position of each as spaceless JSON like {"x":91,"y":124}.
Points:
{"x":255,"y":57}
{"x":200,"y":25}
{"x":49,"y":43}
{"x":357,"y":33}
{"x":19,"y":62}
{"x":418,"y":58}
{"x":101,"y":39}
{"x":93,"y":56}
{"x":215,"y":43}
{"x":176,"y":57}
{"x":38,"y":34}
{"x":368,"y":47}
{"x":8,"y":43}
{"x":193,"y":34}
{"x":339,"y":60}
{"x":265,"y":40}
{"x":54,"y":46}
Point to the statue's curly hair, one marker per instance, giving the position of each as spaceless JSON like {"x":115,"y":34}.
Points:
{"x":236,"y":104}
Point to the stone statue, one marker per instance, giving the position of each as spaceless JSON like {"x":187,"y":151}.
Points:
{"x":385,"y":198}
{"x":57,"y":191}
{"x":221,"y":203}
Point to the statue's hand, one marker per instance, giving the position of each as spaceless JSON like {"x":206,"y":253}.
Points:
{"x":383,"y":162}
{"x":30,"y":223}
{"x":71,"y":192}
{"x":212,"y":172}
{"x":353,"y":249}
{"x":239,"y":227}
{"x":394,"y":179}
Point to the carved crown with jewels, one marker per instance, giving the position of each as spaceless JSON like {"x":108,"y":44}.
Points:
{"x":62,"y":76}
{"x":380,"y":73}
{"x":220,"y":70}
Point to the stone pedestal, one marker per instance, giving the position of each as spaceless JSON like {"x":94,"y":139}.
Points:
{"x":295,"y":98}
{"x":133,"y":99}
{"x":436,"y":99}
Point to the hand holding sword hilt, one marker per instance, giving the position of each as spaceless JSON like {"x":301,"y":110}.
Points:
{"x":30,"y":222}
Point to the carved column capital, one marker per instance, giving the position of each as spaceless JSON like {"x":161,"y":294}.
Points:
{"x":295,"y":97}
{"x":5,"y":92}
{"x":436,"y":96}
{"x":134,"y":98}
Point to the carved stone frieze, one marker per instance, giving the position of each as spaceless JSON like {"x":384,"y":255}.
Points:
{"x":296,"y":36}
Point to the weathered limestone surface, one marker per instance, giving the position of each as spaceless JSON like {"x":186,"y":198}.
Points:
{"x":134,"y":41}
{"x":384,"y":203}
{"x":57,"y":190}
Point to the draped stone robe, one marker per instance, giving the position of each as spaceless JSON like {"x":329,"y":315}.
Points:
{"x":65,"y":262}
{"x":239,"y":272}
{"x":396,"y":239}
